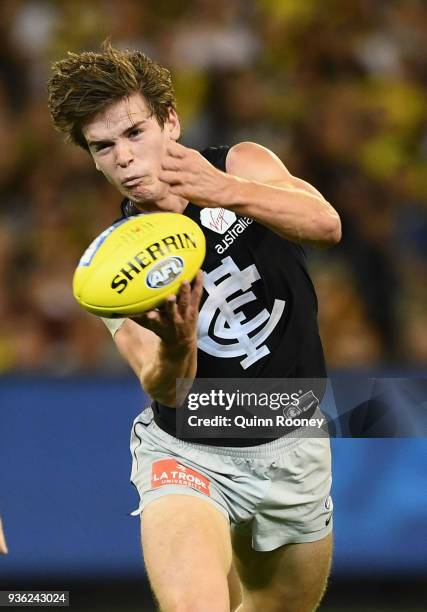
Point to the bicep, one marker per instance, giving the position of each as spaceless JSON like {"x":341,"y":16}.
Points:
{"x":254,"y":162}
{"x":136,"y":344}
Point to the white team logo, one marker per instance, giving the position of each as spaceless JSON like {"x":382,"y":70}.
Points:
{"x":240,"y":337}
{"x":217,"y":219}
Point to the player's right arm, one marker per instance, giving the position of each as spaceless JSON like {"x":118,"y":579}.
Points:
{"x":161,"y":345}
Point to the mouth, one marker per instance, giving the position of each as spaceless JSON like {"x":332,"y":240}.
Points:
{"x":132,"y":181}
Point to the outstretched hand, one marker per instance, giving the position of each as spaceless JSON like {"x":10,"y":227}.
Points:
{"x":175,"y":322}
{"x":190,"y":176}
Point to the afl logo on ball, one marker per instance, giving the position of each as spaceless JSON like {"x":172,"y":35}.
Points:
{"x":165,"y":272}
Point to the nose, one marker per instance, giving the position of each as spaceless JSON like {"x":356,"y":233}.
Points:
{"x":124,"y":155}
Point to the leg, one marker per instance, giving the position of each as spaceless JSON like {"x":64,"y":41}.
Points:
{"x":235,"y":589}
{"x":291,"y":578}
{"x":187,"y":552}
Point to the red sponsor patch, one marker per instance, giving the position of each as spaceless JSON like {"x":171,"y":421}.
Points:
{"x":172,"y":472}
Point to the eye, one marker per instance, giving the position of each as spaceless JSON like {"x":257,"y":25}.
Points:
{"x":135,"y":132}
{"x":102,"y":147}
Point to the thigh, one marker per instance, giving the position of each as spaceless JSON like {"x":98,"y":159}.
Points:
{"x":187,"y":553}
{"x":289,"y":579}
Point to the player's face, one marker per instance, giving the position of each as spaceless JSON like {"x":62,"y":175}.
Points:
{"x":127,"y":145}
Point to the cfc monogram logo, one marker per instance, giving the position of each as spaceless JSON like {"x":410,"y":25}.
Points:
{"x":241,"y":337}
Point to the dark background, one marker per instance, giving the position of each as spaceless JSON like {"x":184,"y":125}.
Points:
{"x":338,"y":91}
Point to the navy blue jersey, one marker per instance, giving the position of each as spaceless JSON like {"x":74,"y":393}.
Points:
{"x":258,"y":313}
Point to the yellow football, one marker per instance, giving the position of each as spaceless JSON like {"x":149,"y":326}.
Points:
{"x":134,"y":264}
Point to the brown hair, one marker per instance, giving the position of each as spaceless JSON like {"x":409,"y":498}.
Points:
{"x":84,"y":84}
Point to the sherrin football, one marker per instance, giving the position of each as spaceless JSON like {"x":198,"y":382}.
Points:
{"x":134,"y":264}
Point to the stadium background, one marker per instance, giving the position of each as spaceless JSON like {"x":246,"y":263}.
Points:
{"x":338,"y":91}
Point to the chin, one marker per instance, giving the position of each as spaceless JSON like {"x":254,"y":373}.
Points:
{"x":142,"y":200}
{"x":155,"y":201}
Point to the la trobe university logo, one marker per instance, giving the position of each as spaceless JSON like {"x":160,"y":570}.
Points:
{"x":224,"y":330}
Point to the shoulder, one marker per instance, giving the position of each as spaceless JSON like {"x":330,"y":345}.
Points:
{"x":216,"y":155}
{"x":253,"y":161}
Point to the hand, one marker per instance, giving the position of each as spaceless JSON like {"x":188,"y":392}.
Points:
{"x":3,"y":545}
{"x":175,"y":322}
{"x":190,"y":176}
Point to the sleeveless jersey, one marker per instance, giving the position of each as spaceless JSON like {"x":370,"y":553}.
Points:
{"x":258,"y":314}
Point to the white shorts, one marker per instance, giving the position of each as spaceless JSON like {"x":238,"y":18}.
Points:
{"x":282,"y":487}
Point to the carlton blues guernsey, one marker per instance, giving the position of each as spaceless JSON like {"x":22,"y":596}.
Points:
{"x":258,"y":313}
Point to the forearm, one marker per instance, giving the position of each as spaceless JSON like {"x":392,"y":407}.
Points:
{"x":292,"y":212}
{"x":161,"y":344}
{"x":159,"y":377}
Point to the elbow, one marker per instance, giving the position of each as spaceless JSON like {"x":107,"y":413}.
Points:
{"x":331,"y":232}
{"x":335,"y":232}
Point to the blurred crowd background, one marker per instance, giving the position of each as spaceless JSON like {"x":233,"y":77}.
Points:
{"x":336,"y":89}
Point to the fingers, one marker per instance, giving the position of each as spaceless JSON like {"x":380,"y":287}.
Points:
{"x":150,"y":320}
{"x":176,"y":150}
{"x":190,"y":294}
{"x":197,"y":289}
{"x":174,"y":310}
{"x":184,"y":298}
{"x":159,"y":319}
{"x":171,"y":177}
{"x":171,"y":163}
{"x":170,"y":308}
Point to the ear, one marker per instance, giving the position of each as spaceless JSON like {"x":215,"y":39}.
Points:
{"x":173,"y":125}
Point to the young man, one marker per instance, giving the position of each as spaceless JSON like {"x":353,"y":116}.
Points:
{"x":259,"y":522}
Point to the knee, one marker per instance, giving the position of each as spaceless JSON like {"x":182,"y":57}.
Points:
{"x":200,"y":599}
{"x":258,"y":601}
{"x":278,"y":602}
{"x":197,"y":605}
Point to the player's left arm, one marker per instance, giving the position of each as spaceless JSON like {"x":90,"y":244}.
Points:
{"x":3,"y":545}
{"x":258,"y":185}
